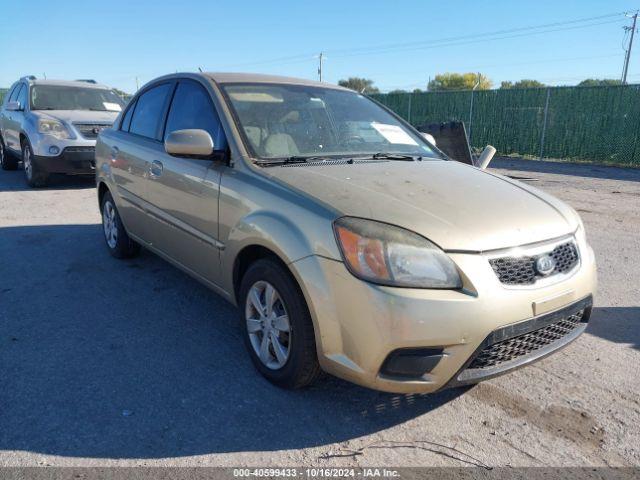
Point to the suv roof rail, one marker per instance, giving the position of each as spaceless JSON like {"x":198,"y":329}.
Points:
{"x":28,"y":77}
{"x":86,"y":80}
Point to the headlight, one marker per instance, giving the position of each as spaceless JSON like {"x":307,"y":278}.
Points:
{"x":389,"y":255}
{"x":52,"y":127}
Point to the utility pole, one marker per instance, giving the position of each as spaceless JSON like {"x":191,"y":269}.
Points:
{"x":320,"y":66}
{"x":627,"y":57}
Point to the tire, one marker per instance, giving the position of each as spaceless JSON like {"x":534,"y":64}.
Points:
{"x":115,"y":236}
{"x":300,"y":368}
{"x":7,"y":161}
{"x":34,"y":177}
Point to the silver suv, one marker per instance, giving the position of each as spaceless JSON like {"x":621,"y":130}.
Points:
{"x":52,"y":126}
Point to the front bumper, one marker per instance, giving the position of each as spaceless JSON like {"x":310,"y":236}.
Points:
{"x":358,"y":325}
{"x":72,"y":160}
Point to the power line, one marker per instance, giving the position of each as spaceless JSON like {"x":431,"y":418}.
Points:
{"x":443,"y":42}
{"x":471,"y":36}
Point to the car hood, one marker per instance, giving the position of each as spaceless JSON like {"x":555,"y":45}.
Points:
{"x":78,"y":116}
{"x":454,"y":205}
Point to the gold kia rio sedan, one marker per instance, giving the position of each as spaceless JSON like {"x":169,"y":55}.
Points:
{"x":348,"y":241}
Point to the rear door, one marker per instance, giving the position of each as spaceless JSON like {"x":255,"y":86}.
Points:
{"x":132,"y":149}
{"x":183,"y":192}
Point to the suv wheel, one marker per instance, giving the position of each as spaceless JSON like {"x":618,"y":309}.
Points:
{"x":278,"y":329}
{"x":7,"y":161}
{"x":35,"y":178}
{"x":118,"y":242}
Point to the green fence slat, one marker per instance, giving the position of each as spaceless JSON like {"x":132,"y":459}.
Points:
{"x":592,"y":124}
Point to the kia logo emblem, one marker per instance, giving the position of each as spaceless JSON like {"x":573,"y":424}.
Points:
{"x":545,"y":265}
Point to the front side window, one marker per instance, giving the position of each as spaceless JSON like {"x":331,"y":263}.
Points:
{"x":22,"y":96}
{"x":192,"y":108}
{"x":281,"y":121}
{"x":15,"y":92}
{"x":59,"y":97}
{"x":149,"y":110}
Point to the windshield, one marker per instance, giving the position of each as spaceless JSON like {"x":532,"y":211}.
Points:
{"x":283,"y":121}
{"x":57,"y":97}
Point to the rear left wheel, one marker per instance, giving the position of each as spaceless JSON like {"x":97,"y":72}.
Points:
{"x":118,"y":242}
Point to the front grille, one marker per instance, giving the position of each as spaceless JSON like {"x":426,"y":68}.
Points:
{"x":91,"y":130}
{"x":522,"y":270}
{"x":524,"y":344}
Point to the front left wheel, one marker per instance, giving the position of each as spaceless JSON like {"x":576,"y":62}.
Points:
{"x":115,"y":236}
{"x":279,"y":333}
{"x":35,"y":178}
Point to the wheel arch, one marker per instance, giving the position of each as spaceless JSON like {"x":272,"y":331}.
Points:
{"x":102,"y":190}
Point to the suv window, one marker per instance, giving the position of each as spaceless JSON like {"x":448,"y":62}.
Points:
{"x":22,"y":96}
{"x":192,"y":108}
{"x":148,"y":111}
{"x":15,"y":92}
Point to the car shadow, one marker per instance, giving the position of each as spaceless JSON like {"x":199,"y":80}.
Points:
{"x":13,"y":180}
{"x":106,"y":358}
{"x":564,"y":168}
{"x":616,"y":324}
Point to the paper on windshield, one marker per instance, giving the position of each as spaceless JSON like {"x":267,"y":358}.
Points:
{"x":394,"y":134}
{"x":114,"y":107}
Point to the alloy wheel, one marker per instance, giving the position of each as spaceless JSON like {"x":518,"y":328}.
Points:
{"x":109,"y":224}
{"x":268,"y":325}
{"x":26,"y":160}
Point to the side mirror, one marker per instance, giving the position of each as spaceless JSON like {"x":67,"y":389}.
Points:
{"x":486,"y":156}
{"x":429,"y":138}
{"x":189,"y":143}
{"x":14,"y":106}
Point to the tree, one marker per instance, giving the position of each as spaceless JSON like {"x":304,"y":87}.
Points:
{"x":361,"y":85}
{"x":458,"y":81}
{"x":526,"y":83}
{"x":599,"y":82}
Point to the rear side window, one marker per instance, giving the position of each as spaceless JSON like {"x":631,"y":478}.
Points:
{"x":126,"y":121}
{"x":192,"y":108}
{"x":149,"y":110}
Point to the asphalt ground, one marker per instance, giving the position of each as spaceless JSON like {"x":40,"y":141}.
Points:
{"x":108,"y":362}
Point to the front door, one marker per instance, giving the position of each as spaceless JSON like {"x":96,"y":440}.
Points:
{"x":14,"y":118}
{"x":183,"y":192}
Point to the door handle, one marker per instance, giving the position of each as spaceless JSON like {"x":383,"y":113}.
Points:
{"x":114,"y":152}
{"x":156,"y":168}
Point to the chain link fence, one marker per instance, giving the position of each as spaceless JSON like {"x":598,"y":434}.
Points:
{"x":591,"y":124}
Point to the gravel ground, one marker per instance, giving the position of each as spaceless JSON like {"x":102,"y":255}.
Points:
{"x":107,"y":362}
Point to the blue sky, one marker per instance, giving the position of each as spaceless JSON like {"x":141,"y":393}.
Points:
{"x":116,"y":41}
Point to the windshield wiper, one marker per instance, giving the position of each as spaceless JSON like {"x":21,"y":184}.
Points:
{"x":395,"y":156}
{"x":292,"y":159}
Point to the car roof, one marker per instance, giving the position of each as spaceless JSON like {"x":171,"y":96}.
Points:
{"x":68,"y":83}
{"x":229,"y":77}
